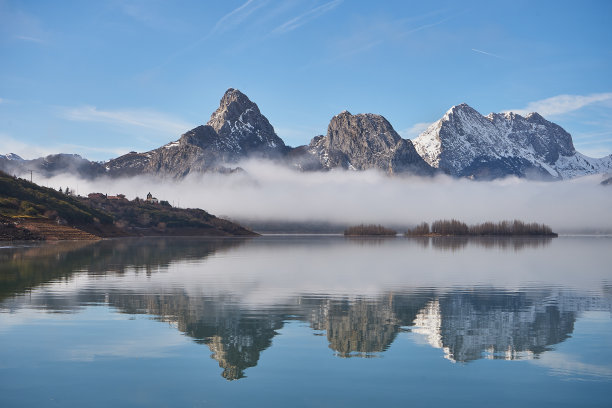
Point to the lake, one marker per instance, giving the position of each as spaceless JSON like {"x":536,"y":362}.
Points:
{"x":307,"y":321}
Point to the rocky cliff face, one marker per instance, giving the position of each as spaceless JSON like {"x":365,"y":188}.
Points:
{"x":236,"y":130}
{"x":466,"y":143}
{"x":364,"y":141}
{"x":242,"y":129}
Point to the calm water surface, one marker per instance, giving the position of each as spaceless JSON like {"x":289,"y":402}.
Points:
{"x":307,"y":321}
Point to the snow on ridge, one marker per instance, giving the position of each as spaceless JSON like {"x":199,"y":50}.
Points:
{"x":581,"y":165}
{"x":463,"y":135}
{"x":11,"y":156}
{"x":171,"y":144}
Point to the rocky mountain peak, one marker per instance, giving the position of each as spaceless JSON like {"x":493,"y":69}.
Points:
{"x":461,"y":111}
{"x":344,"y":113}
{"x":465,"y":143}
{"x":536,"y":117}
{"x":232,"y":106}
{"x":242,"y":127}
{"x":366,"y":141}
{"x":345,"y":131}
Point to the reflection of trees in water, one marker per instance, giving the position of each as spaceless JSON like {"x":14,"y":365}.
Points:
{"x":24,"y":268}
{"x":515,"y":243}
{"x":369,"y":241}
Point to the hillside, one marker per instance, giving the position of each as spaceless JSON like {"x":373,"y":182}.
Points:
{"x":29,"y":211}
{"x":139,"y":217}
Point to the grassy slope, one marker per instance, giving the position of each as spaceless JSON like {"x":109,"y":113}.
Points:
{"x":21,"y":201}
{"x":20,"y":198}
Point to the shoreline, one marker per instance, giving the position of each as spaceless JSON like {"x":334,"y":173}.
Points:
{"x":46,"y":230}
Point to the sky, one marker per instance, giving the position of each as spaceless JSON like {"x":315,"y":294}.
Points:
{"x":104,"y":78}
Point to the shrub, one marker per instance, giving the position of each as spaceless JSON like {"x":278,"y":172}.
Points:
{"x":371,"y":229}
{"x":419,"y":230}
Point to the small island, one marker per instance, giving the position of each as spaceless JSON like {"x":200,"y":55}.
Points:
{"x":445,"y":228}
{"x":370,"y":230}
{"x":452,"y":228}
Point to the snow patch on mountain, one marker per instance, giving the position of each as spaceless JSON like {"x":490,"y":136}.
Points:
{"x":11,"y":156}
{"x":465,"y":143}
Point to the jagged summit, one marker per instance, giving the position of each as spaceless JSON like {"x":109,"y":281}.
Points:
{"x":465,"y":143}
{"x":239,"y":122}
{"x":535,"y":116}
{"x":366,"y":141}
{"x":235,"y":131}
{"x":233,"y":104}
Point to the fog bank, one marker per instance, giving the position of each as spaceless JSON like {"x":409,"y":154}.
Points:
{"x":276,"y":193}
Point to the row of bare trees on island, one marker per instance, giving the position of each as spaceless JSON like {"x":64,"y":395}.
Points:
{"x":458,"y":228}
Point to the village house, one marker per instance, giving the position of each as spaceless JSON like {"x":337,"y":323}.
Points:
{"x":117,"y":197}
{"x":151,"y":199}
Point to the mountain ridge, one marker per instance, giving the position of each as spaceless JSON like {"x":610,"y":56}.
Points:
{"x":463,"y":143}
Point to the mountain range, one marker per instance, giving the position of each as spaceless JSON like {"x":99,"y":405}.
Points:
{"x":463,"y":143}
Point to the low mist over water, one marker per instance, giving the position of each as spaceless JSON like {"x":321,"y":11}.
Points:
{"x":267,"y":192}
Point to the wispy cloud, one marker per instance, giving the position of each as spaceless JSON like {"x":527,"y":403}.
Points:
{"x":17,"y":24}
{"x":237,"y":16}
{"x":146,"y":119}
{"x":304,"y":18}
{"x":227,"y":22}
{"x":373,"y":33}
{"x":415,"y":130}
{"x":562,"y":104}
{"x":425,"y":26}
{"x":115,"y":151}
{"x":30,"y":39}
{"x":10,"y":144}
{"x":488,"y":53}
{"x":569,"y":366}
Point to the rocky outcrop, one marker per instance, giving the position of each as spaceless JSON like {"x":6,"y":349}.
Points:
{"x":242,"y":129}
{"x":361,"y":142}
{"x":465,"y":143}
{"x":235,"y":131}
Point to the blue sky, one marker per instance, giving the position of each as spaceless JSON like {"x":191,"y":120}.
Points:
{"x":106,"y":77}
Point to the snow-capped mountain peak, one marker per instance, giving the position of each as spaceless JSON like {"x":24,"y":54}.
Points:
{"x":465,"y":143}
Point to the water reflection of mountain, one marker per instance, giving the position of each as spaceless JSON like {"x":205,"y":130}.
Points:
{"x":473,"y":325}
{"x":467,"y":324}
{"x":361,"y":327}
{"x":234,"y":336}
